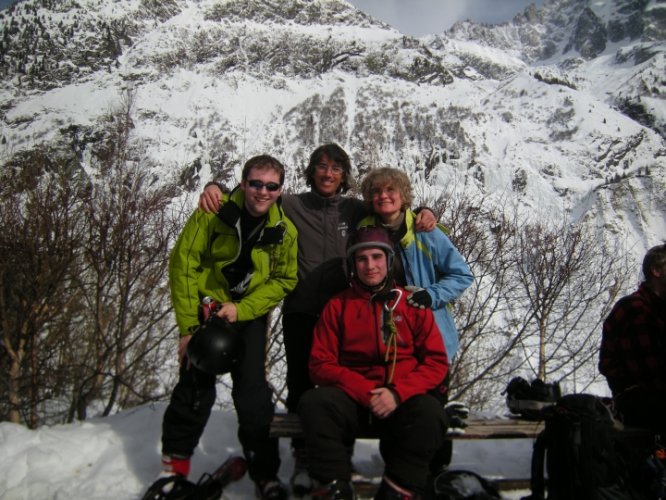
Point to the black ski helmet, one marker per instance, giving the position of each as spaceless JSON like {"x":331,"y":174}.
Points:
{"x":370,"y":237}
{"x":215,"y":347}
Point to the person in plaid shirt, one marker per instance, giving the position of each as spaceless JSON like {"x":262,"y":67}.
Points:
{"x":633,"y":348}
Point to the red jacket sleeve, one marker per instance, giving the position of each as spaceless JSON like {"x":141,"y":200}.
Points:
{"x":325,"y":368}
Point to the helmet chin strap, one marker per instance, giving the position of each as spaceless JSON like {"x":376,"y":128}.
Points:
{"x":374,"y":289}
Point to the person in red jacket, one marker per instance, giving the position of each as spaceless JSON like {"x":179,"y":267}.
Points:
{"x":633,"y":348}
{"x":374,"y":359}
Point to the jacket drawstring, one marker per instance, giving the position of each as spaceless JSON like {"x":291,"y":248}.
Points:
{"x":390,"y":335}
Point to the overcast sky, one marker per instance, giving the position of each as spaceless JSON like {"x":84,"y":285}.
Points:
{"x":421,"y":17}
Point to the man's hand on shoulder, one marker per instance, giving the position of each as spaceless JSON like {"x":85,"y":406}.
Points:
{"x":209,"y":199}
{"x":425,"y":221}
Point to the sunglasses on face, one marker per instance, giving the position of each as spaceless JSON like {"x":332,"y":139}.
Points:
{"x":270,"y":186}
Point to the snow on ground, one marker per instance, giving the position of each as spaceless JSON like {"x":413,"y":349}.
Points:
{"x":119,"y":456}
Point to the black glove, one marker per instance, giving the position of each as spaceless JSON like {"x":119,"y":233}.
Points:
{"x":419,"y":297}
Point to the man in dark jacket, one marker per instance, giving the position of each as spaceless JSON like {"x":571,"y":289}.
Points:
{"x":633,"y":348}
{"x":374,"y":358}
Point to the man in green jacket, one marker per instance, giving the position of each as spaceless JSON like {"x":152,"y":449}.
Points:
{"x":244,"y":258}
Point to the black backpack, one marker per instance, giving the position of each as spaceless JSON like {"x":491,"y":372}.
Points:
{"x":581,"y":453}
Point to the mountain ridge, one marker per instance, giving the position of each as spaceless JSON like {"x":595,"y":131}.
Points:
{"x":551,"y":114}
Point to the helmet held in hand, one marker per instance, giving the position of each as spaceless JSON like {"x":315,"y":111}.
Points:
{"x":215,"y":348}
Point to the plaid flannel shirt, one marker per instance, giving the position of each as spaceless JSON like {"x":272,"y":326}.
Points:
{"x":633,"y":344}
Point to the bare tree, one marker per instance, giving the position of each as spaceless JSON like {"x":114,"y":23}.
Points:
{"x":276,"y":362}
{"x":123,"y":280}
{"x":38,"y":242}
{"x":539,"y":295}
{"x":485,"y":236}
{"x":84,"y":304}
{"x":123,"y":274}
{"x":569,"y":279}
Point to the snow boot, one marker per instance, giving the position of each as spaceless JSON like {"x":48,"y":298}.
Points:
{"x":174,"y":487}
{"x":389,"y":490}
{"x":301,"y":482}
{"x":171,"y":486}
{"x":530,"y":400}
{"x":172,"y":481}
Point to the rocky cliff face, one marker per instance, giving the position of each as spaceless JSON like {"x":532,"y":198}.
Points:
{"x":556,"y":108}
{"x":564,"y":27}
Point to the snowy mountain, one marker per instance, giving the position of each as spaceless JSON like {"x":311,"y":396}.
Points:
{"x":559,"y":113}
{"x":562,"y":108}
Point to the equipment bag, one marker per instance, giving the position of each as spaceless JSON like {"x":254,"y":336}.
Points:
{"x":529,"y":400}
{"x":580,"y":452}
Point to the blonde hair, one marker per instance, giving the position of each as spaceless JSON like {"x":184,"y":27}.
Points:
{"x":387,"y":176}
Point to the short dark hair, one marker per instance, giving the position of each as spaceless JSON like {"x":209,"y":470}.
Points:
{"x":655,"y":258}
{"x":337,"y":155}
{"x":263,"y":162}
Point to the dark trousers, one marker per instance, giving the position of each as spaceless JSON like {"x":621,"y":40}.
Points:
{"x":194,"y":395}
{"x":408,"y":438}
{"x":643,"y":408}
{"x":442,"y":457}
{"x":297,"y":332}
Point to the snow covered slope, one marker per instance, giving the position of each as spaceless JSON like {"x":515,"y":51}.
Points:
{"x":562,"y":108}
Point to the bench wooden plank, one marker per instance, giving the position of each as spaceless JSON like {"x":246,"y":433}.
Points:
{"x":288,"y":425}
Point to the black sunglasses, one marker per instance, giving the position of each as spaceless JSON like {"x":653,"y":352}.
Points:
{"x":270,"y":186}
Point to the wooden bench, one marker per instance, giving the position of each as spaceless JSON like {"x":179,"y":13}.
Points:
{"x":288,"y":425}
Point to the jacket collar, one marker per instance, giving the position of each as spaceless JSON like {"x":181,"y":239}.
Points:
{"x":359,"y":289}
{"x":325,"y":200}
{"x":409,"y":222}
{"x":645,"y":289}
